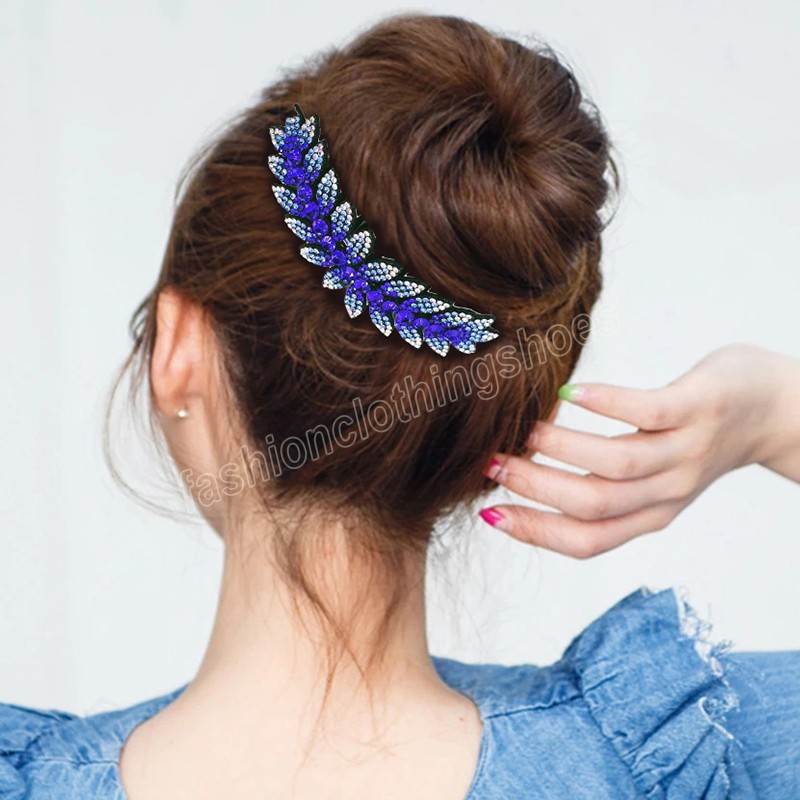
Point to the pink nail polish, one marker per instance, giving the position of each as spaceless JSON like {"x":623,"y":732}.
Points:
{"x":493,"y":469}
{"x":491,"y":515}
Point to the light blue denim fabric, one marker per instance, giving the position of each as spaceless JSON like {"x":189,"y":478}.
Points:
{"x":639,"y":706}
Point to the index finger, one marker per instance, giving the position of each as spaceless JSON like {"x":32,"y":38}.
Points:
{"x":648,"y":409}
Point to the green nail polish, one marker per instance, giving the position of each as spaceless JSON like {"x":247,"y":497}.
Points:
{"x":569,"y":392}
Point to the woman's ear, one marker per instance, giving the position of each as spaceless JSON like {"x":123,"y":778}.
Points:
{"x":178,"y":367}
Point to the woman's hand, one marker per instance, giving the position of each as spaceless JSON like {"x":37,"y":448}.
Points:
{"x":739,"y":405}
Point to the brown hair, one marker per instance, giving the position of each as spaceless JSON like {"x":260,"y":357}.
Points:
{"x":483,"y":169}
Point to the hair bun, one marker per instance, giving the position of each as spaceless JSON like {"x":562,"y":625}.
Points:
{"x":497,"y":169}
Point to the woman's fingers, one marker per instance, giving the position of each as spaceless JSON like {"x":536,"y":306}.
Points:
{"x":637,"y":483}
{"x":632,"y":455}
{"x":585,"y":497}
{"x":573,"y":537}
{"x":647,"y":409}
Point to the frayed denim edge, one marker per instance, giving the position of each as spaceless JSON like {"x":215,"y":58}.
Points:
{"x":714,"y":709}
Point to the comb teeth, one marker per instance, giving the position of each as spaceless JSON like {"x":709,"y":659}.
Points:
{"x":337,"y":238}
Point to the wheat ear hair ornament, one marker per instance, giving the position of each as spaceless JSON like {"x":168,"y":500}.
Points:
{"x":338,"y":240}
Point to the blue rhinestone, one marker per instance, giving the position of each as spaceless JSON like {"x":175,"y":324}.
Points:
{"x":339,"y":258}
{"x":360,"y":284}
{"x":319,"y":227}
{"x":453,"y":335}
{"x":310,"y":209}
{"x":421,"y":322}
{"x":327,"y":242}
{"x":347,"y":273}
{"x":388,"y":305}
{"x":374,"y":297}
{"x":294,"y":156}
{"x":291,"y":141}
{"x":435,"y":329}
{"x":304,"y":192}
{"x":403,"y":316}
{"x":295,"y":176}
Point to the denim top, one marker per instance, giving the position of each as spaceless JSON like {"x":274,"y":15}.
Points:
{"x":635,"y":707}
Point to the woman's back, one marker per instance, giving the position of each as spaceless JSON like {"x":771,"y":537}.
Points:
{"x":640,"y":705}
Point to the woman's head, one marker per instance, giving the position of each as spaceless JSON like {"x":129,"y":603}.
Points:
{"x":482,"y":169}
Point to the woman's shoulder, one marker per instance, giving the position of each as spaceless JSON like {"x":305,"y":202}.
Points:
{"x":44,"y":747}
{"x":636,"y":706}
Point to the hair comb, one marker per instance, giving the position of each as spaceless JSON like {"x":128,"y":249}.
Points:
{"x":338,"y":239}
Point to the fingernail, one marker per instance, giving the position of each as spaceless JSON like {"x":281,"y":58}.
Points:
{"x":493,"y":469}
{"x":570,"y":392}
{"x":491,"y":515}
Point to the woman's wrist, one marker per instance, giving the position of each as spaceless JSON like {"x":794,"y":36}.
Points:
{"x":778,"y":446}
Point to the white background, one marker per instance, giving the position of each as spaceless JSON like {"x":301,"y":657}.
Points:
{"x":104,"y":603}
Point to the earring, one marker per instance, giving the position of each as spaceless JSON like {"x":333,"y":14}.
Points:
{"x":182,"y":413}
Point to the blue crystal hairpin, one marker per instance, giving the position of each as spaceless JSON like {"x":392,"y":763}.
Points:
{"x":337,"y":238}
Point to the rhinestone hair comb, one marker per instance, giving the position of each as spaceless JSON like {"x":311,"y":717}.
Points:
{"x":338,"y":240}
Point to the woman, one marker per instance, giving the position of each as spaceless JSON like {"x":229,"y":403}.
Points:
{"x":323,"y":453}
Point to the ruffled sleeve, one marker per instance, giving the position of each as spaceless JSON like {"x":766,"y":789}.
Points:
{"x":21,"y":727}
{"x":657,"y":689}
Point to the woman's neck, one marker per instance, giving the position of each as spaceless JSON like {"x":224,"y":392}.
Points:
{"x":250,"y":718}
{"x":259,"y":654}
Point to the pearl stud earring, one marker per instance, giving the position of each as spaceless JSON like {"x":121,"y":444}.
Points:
{"x":182,"y":413}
